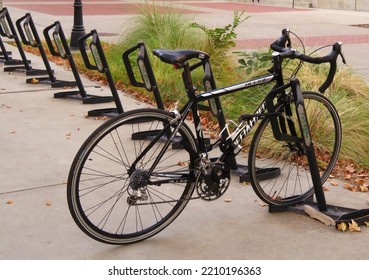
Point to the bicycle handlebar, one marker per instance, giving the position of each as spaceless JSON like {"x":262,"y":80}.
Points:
{"x":283,"y":46}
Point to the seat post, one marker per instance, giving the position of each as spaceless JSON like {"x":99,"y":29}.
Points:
{"x":187,"y":81}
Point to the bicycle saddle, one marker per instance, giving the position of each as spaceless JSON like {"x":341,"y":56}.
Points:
{"x":178,"y":57}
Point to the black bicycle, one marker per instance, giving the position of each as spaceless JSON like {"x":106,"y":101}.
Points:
{"x":136,"y":173}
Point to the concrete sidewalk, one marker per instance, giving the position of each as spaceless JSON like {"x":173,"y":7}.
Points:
{"x":40,"y":136}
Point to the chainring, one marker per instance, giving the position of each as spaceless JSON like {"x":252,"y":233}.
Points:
{"x":212,"y":185}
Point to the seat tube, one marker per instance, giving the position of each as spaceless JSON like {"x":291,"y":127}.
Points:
{"x":187,"y":80}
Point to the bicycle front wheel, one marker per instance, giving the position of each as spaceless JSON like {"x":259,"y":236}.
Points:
{"x":278,"y":170}
{"x":115,"y":193}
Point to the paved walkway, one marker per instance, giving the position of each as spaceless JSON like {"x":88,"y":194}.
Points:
{"x":40,"y":136}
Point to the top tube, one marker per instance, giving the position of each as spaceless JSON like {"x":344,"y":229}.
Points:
{"x":236,"y":87}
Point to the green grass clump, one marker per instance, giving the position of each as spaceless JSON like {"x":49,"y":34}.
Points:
{"x":350,"y":94}
{"x":158,"y":26}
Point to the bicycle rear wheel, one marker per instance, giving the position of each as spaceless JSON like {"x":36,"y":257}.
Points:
{"x":294,"y":183}
{"x":112,"y":196}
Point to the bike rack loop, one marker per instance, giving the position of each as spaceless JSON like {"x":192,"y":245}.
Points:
{"x":8,"y":30}
{"x":338,"y":213}
{"x":59,"y":47}
{"x":30,"y":37}
{"x":100,"y":64}
{"x":4,"y":54}
{"x":147,"y":74}
{"x":148,"y":82}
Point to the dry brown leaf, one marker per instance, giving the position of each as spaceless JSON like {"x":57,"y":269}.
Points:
{"x":34,"y":81}
{"x":350,"y":168}
{"x":182,"y":163}
{"x":68,"y":135}
{"x":351,"y":187}
{"x":353,"y":226}
{"x":366,"y":223}
{"x":48,"y":203}
{"x":342,"y":226}
{"x":9,"y":201}
{"x":334,"y":183}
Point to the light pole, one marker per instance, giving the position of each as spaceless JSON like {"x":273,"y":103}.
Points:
{"x":78,"y":29}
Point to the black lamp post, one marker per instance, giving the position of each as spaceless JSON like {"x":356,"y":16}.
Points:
{"x":78,"y":29}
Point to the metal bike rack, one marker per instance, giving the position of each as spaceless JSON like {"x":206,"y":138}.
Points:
{"x":29,"y":36}
{"x":7,"y":29}
{"x":148,"y":82}
{"x":4,"y":54}
{"x":58,"y":46}
{"x":147,"y":74}
{"x":100,"y":64}
{"x":337,"y":213}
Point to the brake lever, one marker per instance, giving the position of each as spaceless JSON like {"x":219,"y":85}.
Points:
{"x":343,"y":58}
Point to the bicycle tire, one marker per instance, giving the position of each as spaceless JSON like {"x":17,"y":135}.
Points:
{"x":293,"y":183}
{"x":100,"y":182}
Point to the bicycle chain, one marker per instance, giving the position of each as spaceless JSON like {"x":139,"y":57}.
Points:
{"x":167,"y":201}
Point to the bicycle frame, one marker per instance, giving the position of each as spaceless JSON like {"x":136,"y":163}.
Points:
{"x":234,"y":140}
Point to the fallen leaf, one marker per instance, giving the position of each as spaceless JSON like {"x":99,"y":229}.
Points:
{"x":351,"y":187}
{"x":342,"y":226}
{"x":353,"y":226}
{"x":10,"y":201}
{"x":34,"y":81}
{"x":366,"y":223}
{"x":68,"y":135}
{"x":182,"y":163}
{"x":334,"y":183}
{"x":228,"y":199}
{"x":48,"y":203}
